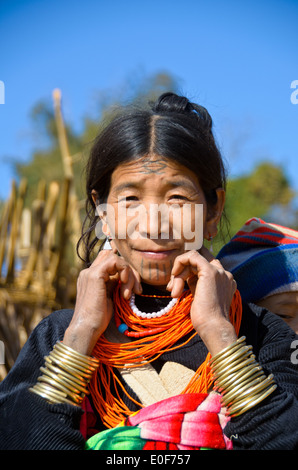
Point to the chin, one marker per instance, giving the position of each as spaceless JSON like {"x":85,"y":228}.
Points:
{"x":156,"y":282}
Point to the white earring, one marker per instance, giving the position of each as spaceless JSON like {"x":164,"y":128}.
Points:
{"x":107,"y":245}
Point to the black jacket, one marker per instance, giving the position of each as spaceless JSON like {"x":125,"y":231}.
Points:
{"x":27,"y":421}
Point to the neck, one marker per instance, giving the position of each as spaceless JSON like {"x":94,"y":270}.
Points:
{"x":154,"y":290}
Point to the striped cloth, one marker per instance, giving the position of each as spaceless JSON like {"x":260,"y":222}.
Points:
{"x":263,"y":259}
{"x":183,"y":422}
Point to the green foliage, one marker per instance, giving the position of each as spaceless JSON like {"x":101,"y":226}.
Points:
{"x":255,"y":195}
{"x":269,"y":184}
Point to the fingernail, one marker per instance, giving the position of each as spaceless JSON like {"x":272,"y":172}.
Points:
{"x":171,"y":280}
{"x":126,"y":294}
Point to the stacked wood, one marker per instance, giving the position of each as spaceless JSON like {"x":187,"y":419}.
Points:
{"x":38,"y":262}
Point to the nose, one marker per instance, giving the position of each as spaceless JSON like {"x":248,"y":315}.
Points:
{"x":158,"y":219}
{"x":150,"y":222}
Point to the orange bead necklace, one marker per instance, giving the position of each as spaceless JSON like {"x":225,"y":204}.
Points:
{"x":153,"y":337}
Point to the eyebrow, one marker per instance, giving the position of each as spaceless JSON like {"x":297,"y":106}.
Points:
{"x":138,"y":185}
{"x":127,"y":185}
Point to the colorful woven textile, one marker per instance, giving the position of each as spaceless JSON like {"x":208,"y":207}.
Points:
{"x":263,"y":259}
{"x":183,"y":422}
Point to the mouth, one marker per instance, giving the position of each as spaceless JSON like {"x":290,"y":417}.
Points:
{"x":156,"y":254}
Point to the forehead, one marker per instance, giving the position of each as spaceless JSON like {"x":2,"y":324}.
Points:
{"x":153,"y":170}
{"x":284,"y":298}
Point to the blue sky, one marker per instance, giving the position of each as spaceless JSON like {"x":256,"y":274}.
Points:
{"x":237,"y":58}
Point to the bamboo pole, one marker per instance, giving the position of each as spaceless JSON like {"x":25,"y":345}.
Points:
{"x":15,"y":226}
{"x":68,"y":169}
{"x":66,"y":158}
{"x":37,"y":210}
{"x":43,"y":213}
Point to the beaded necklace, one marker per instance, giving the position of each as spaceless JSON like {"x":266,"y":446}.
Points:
{"x":160,"y":313}
{"x":123,"y":314}
{"x":152,"y":338}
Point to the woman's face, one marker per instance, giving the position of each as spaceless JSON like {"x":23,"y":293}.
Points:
{"x":156,"y":210}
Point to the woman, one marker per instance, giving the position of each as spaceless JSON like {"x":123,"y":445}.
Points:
{"x":163,"y":323}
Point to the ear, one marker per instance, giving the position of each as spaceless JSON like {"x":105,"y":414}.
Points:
{"x":94,"y":195}
{"x":214,"y":215}
{"x":102,"y":215}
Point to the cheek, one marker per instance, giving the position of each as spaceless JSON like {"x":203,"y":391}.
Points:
{"x":126,"y":222}
{"x":192,"y":222}
{"x":122,"y":248}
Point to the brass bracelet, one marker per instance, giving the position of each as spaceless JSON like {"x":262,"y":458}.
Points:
{"x":239,"y":378}
{"x":65,"y":376}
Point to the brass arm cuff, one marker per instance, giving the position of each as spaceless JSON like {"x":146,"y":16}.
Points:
{"x":65,"y":376}
{"x":239,"y":378}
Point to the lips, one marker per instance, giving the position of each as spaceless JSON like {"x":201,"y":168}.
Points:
{"x":157,"y":254}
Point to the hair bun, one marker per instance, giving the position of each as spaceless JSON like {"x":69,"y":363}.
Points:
{"x":172,"y":103}
{"x":169,"y":103}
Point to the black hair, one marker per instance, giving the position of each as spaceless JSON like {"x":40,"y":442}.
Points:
{"x":173,"y":128}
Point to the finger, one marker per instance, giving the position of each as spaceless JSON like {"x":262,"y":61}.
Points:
{"x":137,"y":288}
{"x":131,"y":284}
{"x":113,"y":246}
{"x":177,"y":287}
{"x":101,"y":256}
{"x":190,"y":259}
{"x":127,"y":282}
{"x":217,"y":264}
{"x":192,"y":283}
{"x":110,"y":267}
{"x":177,"y":283}
{"x":185,"y":267}
{"x":111,"y":284}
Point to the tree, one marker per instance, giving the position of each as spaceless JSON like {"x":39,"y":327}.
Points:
{"x":256,"y":195}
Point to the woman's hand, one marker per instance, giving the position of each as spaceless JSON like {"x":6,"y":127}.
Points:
{"x":213,"y":289}
{"x":94,"y":305}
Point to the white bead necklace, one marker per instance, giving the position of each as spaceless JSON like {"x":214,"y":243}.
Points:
{"x":160,"y":313}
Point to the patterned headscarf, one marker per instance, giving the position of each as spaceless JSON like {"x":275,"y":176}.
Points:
{"x":263,"y":259}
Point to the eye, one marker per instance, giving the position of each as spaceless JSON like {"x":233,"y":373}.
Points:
{"x":178,"y":197}
{"x":284,"y":316}
{"x":128,"y":198}
{"x":132,"y":198}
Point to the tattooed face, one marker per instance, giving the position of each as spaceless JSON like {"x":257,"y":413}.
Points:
{"x":150,"y":248}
